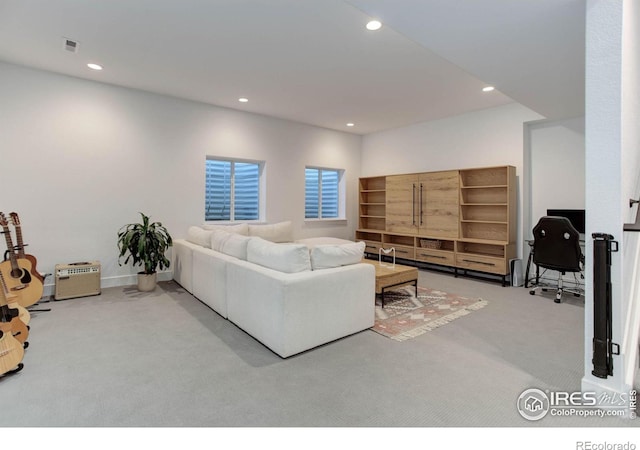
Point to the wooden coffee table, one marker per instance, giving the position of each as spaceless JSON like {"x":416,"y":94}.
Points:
{"x":390,"y":276}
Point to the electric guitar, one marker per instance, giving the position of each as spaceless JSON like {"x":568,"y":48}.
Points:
{"x":15,"y":220}
{"x":17,"y":273}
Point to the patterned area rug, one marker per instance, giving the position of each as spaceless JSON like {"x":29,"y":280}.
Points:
{"x":404,"y":316}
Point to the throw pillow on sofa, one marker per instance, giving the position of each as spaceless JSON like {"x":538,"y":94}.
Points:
{"x":328,"y":256}
{"x":239,"y":228}
{"x":276,"y":232}
{"x":199,"y":236}
{"x":288,"y":258}
{"x":312,"y":242}
{"x":230,"y":243}
{"x":217,"y":239}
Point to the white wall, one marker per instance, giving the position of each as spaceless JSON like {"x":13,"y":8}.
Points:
{"x":612,"y":171}
{"x":554,"y":170}
{"x":490,"y":137}
{"x":80,"y":159}
{"x":557,"y":165}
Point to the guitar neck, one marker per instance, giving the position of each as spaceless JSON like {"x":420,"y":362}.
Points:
{"x":15,"y":268}
{"x":10,"y":248}
{"x":21,"y":253}
{"x":4,"y":292}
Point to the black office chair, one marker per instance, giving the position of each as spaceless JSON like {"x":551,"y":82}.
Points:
{"x":556,"y":247}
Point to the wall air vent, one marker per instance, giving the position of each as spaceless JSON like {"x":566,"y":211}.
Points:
{"x":70,"y":45}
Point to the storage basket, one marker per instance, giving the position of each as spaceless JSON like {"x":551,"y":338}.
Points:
{"x":430,"y":243}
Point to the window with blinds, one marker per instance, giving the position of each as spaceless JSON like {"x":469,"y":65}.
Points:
{"x":322,"y":193}
{"x":232,"y":190}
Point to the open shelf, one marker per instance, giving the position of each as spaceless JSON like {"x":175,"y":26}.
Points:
{"x":490,"y":231}
{"x":483,"y":249}
{"x":373,"y":184}
{"x":484,"y":177}
{"x":484,"y":212}
{"x":488,"y":195}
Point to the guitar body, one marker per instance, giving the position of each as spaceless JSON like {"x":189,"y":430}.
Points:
{"x":16,"y":328}
{"x":21,"y":271}
{"x":21,"y":253}
{"x":27,"y":293}
{"x":11,"y":353}
{"x":23,"y":313}
{"x":34,"y":272}
{"x":11,"y":321}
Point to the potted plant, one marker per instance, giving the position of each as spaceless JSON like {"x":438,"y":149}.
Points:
{"x":145,"y":244}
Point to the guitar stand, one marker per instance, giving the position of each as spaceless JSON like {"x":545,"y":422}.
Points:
{"x":18,"y":368}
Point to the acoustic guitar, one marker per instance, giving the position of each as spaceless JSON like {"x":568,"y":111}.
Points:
{"x":13,"y":337}
{"x":11,"y":353}
{"x":17,"y":273}
{"x":23,"y":313}
{"x":15,"y":220}
{"x":9,"y":318}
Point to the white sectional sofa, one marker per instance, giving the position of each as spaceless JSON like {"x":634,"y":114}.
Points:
{"x":291,"y":296}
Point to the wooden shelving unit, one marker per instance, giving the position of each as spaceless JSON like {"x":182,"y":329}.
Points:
{"x":487,"y":219}
{"x":372,"y":215}
{"x":463,"y":219}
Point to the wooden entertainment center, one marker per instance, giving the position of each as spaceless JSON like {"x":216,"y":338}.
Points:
{"x":463,"y":219}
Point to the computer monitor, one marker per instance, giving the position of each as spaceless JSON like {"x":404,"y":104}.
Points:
{"x":575,"y":216}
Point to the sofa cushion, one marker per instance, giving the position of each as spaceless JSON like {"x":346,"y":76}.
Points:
{"x":236,"y":245}
{"x":218,"y":237}
{"x":312,"y":242}
{"x":288,"y":258}
{"x":199,"y":236}
{"x":327,"y":256}
{"x":276,"y":232}
{"x":239,"y":228}
{"x":230,"y":243}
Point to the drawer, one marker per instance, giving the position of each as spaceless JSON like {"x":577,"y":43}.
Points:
{"x":435,"y":256}
{"x":481,"y":263}
{"x":372,"y":247}
{"x":401,"y":251}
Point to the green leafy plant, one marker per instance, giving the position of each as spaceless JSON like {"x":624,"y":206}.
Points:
{"x":145,"y":244}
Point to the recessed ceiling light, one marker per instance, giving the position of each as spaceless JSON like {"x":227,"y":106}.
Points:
{"x":374,"y":25}
{"x":351,"y":124}
{"x":243,"y":100}
{"x":488,"y":89}
{"x":94,"y":66}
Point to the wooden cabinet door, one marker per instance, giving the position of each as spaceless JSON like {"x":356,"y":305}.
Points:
{"x":402,"y":203}
{"x":439,"y":212}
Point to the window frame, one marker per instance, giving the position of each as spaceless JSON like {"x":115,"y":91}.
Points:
{"x":261,"y":190}
{"x":342,"y":195}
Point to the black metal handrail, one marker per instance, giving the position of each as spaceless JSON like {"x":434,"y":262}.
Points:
{"x":603,"y":346}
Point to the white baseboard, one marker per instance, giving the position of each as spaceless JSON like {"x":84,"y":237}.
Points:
{"x":109,"y":282}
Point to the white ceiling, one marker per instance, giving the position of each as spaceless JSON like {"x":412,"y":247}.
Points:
{"x":313,"y":61}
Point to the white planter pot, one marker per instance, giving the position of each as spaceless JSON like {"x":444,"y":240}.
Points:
{"x":146,"y":282}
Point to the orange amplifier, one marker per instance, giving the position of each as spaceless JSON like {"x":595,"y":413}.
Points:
{"x":79,"y":279}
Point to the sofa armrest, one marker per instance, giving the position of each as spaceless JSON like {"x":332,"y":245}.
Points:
{"x":293,"y":312}
{"x":182,"y":263}
{"x":210,"y":278}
